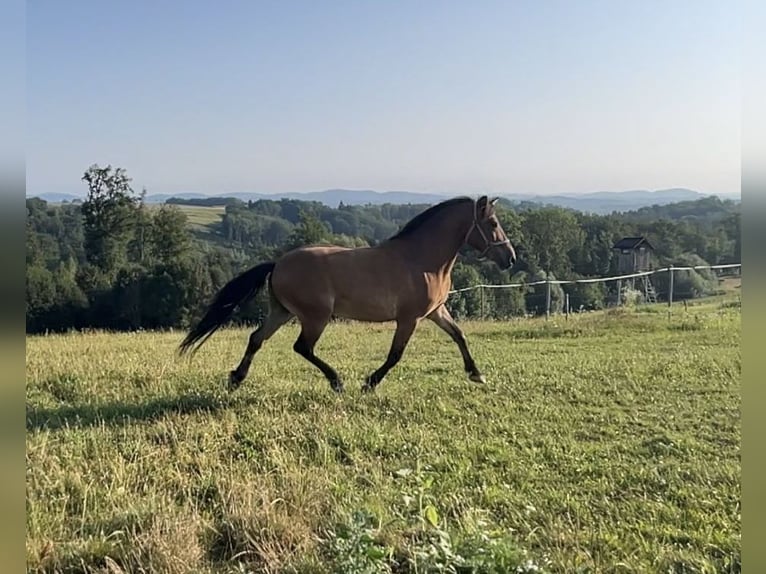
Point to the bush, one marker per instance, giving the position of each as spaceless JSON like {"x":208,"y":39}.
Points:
{"x":631,"y":297}
{"x":506,"y":302}
{"x":588,"y":296}
{"x":536,"y":297}
{"x":468,"y":303}
{"x":689,"y":284}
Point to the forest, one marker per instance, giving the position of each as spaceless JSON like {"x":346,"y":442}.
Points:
{"x":115,"y":262}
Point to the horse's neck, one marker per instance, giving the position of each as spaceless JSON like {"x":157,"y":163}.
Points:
{"x":436,"y":245}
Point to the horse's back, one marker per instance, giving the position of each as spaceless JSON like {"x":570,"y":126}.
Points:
{"x":363,"y":283}
{"x":309,"y":265}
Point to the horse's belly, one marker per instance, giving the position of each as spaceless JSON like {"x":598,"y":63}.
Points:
{"x":365,"y":306}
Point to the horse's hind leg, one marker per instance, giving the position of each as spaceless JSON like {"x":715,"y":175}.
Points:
{"x":311,"y":330}
{"x":276,"y":318}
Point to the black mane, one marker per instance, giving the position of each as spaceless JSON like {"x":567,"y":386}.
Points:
{"x":421,"y":218}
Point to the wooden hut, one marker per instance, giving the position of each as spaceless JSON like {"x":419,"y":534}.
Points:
{"x":634,"y":255}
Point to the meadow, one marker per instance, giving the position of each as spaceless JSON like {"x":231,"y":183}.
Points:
{"x":608,"y":442}
{"x":202,"y":216}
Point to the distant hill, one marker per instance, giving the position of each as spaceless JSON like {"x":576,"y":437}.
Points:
{"x":330,"y":197}
{"x":706,"y":212}
{"x":603,"y":202}
{"x":600,"y":202}
{"x":163,"y":197}
{"x":55,"y":197}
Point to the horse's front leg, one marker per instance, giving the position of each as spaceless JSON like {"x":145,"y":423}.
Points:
{"x":441,"y":316}
{"x":404,"y":330}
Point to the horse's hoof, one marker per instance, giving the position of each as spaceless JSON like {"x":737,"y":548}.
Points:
{"x":368,"y":387}
{"x":336,"y":386}
{"x":478,"y":378}
{"x":234,"y":381}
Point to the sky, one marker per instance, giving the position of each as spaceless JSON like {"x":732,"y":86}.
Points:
{"x":429,"y":96}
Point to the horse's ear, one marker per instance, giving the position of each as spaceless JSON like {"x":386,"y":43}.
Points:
{"x":494,"y":201}
{"x":482,"y":206}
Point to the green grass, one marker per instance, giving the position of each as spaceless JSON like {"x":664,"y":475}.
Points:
{"x":606,"y":443}
{"x":200,"y":217}
{"x":203,"y":216}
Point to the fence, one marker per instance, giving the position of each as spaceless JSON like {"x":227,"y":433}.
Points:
{"x":671,"y":270}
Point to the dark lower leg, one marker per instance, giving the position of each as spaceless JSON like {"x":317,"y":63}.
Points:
{"x":468,"y":363}
{"x":445,"y":321}
{"x":253,"y":345}
{"x":273,"y":322}
{"x":402,"y":335}
{"x":304,"y":346}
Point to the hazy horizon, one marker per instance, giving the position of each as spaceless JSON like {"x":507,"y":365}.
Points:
{"x":434,"y":97}
{"x":83,"y":192}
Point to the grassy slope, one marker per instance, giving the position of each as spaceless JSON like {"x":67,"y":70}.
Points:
{"x":201,"y":216}
{"x":608,"y":443}
{"x":203,"y":222}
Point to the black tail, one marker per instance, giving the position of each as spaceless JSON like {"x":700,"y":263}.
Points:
{"x":234,"y":293}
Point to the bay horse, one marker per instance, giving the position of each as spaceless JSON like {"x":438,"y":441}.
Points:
{"x":404,"y":279}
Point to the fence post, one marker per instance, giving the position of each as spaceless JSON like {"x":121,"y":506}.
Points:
{"x":481,"y":290}
{"x":566,"y":305}
{"x":547,"y":298}
{"x":619,"y":292}
{"x":670,"y":290}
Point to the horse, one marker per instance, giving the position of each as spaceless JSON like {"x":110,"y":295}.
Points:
{"x":404,"y":279}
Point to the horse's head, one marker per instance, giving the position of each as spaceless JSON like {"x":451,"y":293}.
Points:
{"x":487,"y":235}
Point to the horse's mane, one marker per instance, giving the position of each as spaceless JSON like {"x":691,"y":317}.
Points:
{"x":421,"y":218}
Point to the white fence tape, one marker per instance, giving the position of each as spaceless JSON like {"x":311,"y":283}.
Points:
{"x":595,"y":279}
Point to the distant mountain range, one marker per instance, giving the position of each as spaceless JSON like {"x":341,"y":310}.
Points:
{"x":597,"y":202}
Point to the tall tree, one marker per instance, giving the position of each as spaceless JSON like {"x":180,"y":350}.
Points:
{"x":109,"y":214}
{"x":170,"y":235}
{"x":137,"y":247}
{"x":310,"y":230}
{"x":551,"y":236}
{"x":732,"y":226}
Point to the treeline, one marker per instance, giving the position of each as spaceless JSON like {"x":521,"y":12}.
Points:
{"x":114,"y":262}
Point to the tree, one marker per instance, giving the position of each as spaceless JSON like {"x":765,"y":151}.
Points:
{"x":109,"y":213}
{"x":505,"y":302}
{"x":309,"y":231}
{"x":589,"y":296}
{"x":537,"y":296}
{"x":169,"y":234}
{"x":137,"y":250}
{"x":731,"y":226}
{"x":512,"y":225}
{"x":140,"y":270}
{"x":35,"y":253}
{"x":466,"y":303}
{"x":687,"y":284}
{"x":551,"y":236}
{"x":40,"y":296}
{"x":595,"y":254}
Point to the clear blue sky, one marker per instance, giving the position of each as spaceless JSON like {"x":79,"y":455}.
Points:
{"x":443,"y":96}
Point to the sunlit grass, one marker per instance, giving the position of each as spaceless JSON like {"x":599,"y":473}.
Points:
{"x":199,"y":217}
{"x":605,"y":443}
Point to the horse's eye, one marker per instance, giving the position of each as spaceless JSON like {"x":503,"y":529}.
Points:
{"x":493,"y":223}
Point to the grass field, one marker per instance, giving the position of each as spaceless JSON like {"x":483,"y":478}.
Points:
{"x":606,"y":443}
{"x":200,"y":217}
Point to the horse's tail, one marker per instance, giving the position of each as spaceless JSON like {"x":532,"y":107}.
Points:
{"x":234,"y":293}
